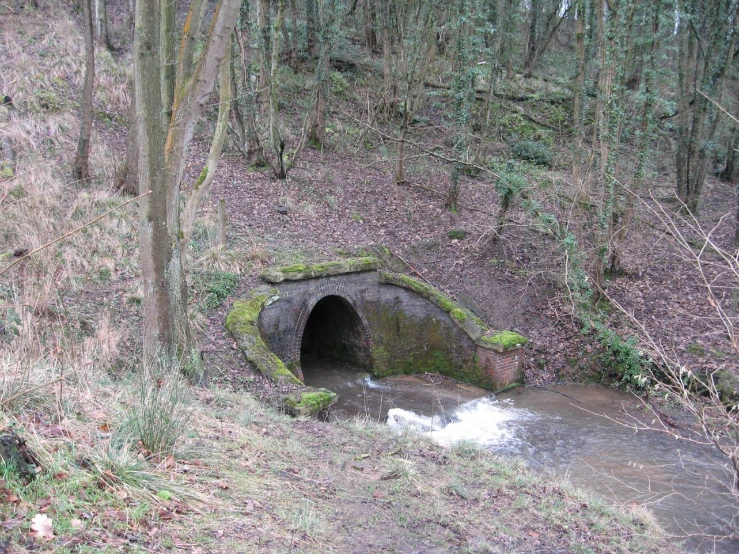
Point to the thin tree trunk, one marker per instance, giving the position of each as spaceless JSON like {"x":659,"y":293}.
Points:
{"x":190,"y":99}
{"x":369,"y":12}
{"x":311,"y":24}
{"x":81,"y":166}
{"x":211,"y":165}
{"x":7,"y":153}
{"x":278,"y":143}
{"x":252,"y":145}
{"x":646,"y":71}
{"x":294,"y":35}
{"x":580,"y":55}
{"x":101,"y":24}
{"x":127,"y":179}
{"x":167,"y":57}
{"x":265,"y":42}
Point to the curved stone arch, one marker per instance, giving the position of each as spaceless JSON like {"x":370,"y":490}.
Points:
{"x":321,"y":292}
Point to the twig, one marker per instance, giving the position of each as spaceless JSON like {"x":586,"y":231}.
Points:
{"x":412,"y":268}
{"x":718,"y":106}
{"x":72,"y":232}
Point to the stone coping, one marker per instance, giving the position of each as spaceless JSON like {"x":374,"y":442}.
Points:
{"x":298,"y":272}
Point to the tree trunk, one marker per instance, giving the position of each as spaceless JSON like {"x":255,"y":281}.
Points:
{"x":647,"y":72}
{"x":7,"y":153}
{"x":703,"y":69}
{"x":252,"y":145}
{"x":580,"y":55}
{"x":167,"y":58}
{"x":293,"y":56}
{"x":81,"y":171}
{"x":311,"y":20}
{"x":278,"y":143}
{"x":156,"y":238}
{"x":101,"y":24}
{"x":190,"y":99}
{"x":265,"y":42}
{"x":211,"y":165}
{"x":369,"y":12}
{"x":534,"y":9}
{"x":127,"y":179}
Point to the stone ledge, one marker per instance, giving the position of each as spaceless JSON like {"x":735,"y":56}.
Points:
{"x":298,"y":272}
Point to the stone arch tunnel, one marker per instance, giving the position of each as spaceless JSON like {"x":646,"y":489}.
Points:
{"x":335,"y":331}
{"x":354,"y":312}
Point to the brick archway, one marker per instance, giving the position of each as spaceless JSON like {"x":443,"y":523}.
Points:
{"x":322,"y":292}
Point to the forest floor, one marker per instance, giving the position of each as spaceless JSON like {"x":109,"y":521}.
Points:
{"x":246,"y":478}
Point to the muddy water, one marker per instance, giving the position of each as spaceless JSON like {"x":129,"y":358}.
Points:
{"x":565,"y":430}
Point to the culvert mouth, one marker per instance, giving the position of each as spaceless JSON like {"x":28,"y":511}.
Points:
{"x":335,"y":332}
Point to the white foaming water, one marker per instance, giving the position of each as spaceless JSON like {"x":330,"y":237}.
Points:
{"x":485,"y":421}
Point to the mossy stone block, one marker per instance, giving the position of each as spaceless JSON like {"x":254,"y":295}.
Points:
{"x":298,"y":272}
{"x":307,"y":401}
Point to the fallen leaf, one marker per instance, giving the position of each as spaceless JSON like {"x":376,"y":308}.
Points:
{"x":42,"y":527}
{"x":76,"y":523}
{"x":534,"y":534}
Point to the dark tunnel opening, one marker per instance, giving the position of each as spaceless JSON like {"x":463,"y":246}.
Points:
{"x":334,"y":331}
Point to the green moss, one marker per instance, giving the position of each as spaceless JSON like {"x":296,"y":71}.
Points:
{"x":456,"y":234}
{"x":241,"y":322}
{"x":696,"y":349}
{"x":458,"y":314}
{"x":245,"y":313}
{"x":203,"y":176}
{"x":472,"y":325}
{"x":504,"y":340}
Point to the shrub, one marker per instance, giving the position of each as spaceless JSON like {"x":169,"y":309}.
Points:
{"x":533,"y":152}
{"x":216,"y":285}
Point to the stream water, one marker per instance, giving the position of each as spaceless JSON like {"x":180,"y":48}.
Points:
{"x":565,"y":430}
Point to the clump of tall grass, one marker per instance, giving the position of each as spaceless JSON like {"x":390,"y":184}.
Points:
{"x":162,"y":411}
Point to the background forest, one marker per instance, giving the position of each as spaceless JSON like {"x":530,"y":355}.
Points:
{"x":568,"y":169}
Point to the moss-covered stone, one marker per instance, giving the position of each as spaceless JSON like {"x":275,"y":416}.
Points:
{"x":241,"y":322}
{"x":503,"y":341}
{"x":298,"y":272}
{"x":307,"y":401}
